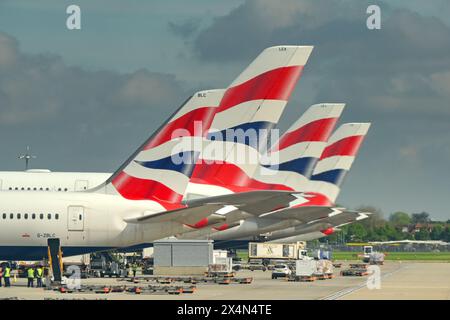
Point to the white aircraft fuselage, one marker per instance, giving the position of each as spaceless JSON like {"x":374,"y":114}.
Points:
{"x":83,"y":221}
{"x":104,"y":225}
{"x":45,"y":180}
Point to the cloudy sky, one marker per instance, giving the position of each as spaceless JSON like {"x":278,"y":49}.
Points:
{"x":85,"y":99}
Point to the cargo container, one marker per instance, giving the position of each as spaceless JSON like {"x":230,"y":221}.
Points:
{"x":305,"y":268}
{"x":268,"y":250}
{"x":376,"y":258}
{"x":313,"y":269}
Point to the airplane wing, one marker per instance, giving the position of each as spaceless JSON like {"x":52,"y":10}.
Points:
{"x":304,"y":214}
{"x":339,"y":220}
{"x":345,"y":217}
{"x":188,"y":215}
{"x":323,"y":214}
{"x":253,"y":202}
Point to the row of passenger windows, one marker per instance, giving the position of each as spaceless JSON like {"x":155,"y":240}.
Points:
{"x":32,"y":216}
{"x":36,"y":189}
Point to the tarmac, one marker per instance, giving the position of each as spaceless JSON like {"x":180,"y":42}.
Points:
{"x":415,"y":281}
{"x":411,"y":280}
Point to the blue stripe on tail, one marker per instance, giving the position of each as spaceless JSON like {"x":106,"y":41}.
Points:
{"x":250,"y":134}
{"x":335,"y":176}
{"x":303,"y":166}
{"x":183,"y":162}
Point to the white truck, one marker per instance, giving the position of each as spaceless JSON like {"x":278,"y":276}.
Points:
{"x":222,"y":264}
{"x":367,"y":251}
{"x":305,"y":268}
{"x":281,"y":251}
{"x":372,"y":257}
{"x":310,"y":269}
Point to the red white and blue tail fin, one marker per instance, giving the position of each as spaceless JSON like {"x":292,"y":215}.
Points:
{"x":337,"y":159}
{"x":252,"y":104}
{"x":161,"y":167}
{"x":300,"y":147}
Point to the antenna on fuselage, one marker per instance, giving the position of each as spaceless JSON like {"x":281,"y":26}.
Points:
{"x":27,"y":156}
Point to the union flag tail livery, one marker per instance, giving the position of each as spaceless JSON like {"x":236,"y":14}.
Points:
{"x":251,"y":106}
{"x":317,"y":204}
{"x":161,"y":168}
{"x":296,"y":153}
{"x":293,"y":156}
{"x":257,"y":97}
{"x":337,"y":159}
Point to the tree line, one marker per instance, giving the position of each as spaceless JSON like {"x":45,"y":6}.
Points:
{"x":398,"y":226}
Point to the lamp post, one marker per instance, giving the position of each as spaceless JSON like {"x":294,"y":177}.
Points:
{"x":27,"y":156}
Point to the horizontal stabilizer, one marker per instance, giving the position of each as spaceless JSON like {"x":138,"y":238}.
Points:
{"x":343,"y":218}
{"x":305,"y":214}
{"x":253,"y":202}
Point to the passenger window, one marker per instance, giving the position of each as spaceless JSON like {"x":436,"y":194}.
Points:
{"x":56,"y":216}
{"x":16,"y":188}
{"x":11,"y":216}
{"x":49,"y":216}
{"x":65,"y":189}
{"x":22,"y":188}
{"x":41,"y":188}
{"x":28,"y":188}
{"x":25,"y":216}
{"x":33,"y":216}
{"x":10,"y":188}
{"x":34,"y":188}
{"x":4,"y":216}
{"x":59,"y":189}
{"x":18,"y":216}
{"x":41,"y":216}
{"x":47,"y":189}
{"x":80,"y":217}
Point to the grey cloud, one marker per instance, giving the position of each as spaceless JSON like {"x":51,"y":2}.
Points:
{"x":91,"y":119}
{"x":396,"y":77}
{"x":8,"y":53}
{"x":254,"y":25}
{"x":184,"y":29}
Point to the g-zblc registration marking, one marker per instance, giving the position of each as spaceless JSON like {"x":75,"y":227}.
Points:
{"x":46,"y":235}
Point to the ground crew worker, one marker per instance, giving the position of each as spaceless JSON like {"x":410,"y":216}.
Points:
{"x":6,"y":276}
{"x":39,"y":276}
{"x":30,"y":276}
{"x":134,"y":269}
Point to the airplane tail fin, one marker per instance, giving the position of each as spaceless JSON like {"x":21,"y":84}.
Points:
{"x":337,"y":159}
{"x":160,"y":169}
{"x":251,"y":106}
{"x":297,"y":151}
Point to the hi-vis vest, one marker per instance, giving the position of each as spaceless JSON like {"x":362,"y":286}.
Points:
{"x":40,"y":271}
{"x":30,"y":273}
{"x":7,"y":272}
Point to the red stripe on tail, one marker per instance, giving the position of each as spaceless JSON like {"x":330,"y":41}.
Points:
{"x":319,"y":130}
{"x":185,"y":122}
{"x":345,"y":147}
{"x":133,"y":188}
{"x":275,"y":84}
{"x":230,"y":176}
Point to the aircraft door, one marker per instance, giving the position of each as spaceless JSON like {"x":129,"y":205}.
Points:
{"x":81,"y":185}
{"x":75,"y":218}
